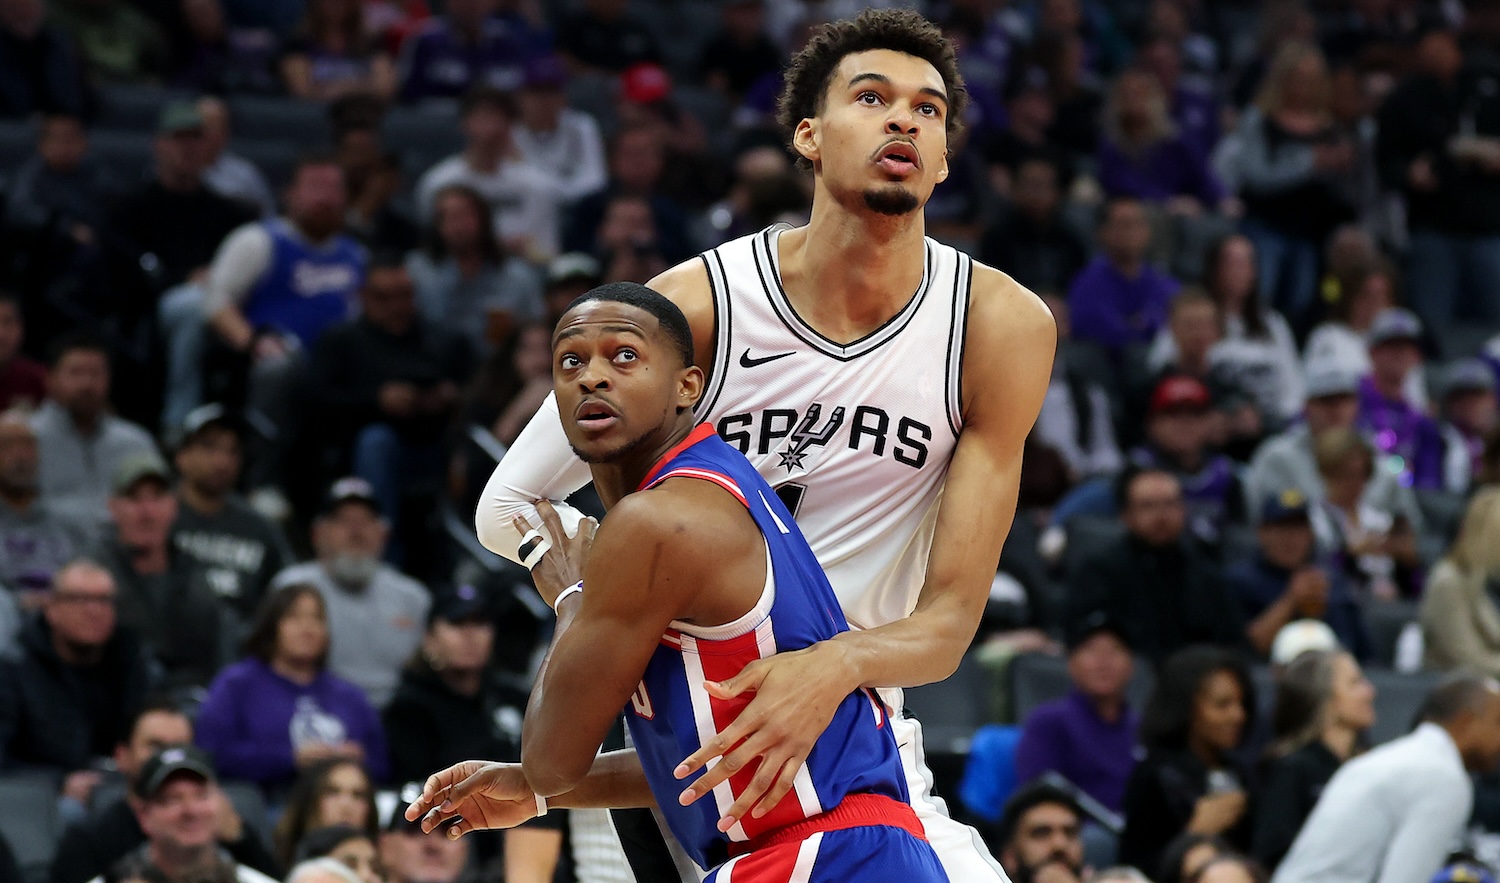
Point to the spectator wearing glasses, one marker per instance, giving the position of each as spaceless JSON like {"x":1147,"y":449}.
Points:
{"x":1039,"y":836}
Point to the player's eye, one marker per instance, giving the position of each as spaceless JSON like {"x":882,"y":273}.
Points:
{"x":930,"y":110}
{"x":569,"y":362}
{"x":626,"y":355}
{"x":867,"y":97}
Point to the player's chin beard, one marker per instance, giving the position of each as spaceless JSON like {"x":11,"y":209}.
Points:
{"x":892,"y":199}
{"x":615,"y":455}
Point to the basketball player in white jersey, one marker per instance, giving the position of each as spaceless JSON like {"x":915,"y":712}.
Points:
{"x":884,"y":383}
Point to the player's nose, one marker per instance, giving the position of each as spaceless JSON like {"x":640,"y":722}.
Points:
{"x":901,"y":121}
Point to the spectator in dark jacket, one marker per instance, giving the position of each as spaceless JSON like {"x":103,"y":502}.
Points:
{"x":1154,"y":579}
{"x":91,"y":847}
{"x":1190,"y":780}
{"x":39,"y":70}
{"x":66,"y":701}
{"x":61,"y":190}
{"x":1033,"y":242}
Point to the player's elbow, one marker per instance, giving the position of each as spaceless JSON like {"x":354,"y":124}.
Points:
{"x":550,"y":773}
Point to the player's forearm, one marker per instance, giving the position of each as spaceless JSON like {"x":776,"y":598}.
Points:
{"x":923,"y":648}
{"x":538,"y":466}
{"x":615,"y":781}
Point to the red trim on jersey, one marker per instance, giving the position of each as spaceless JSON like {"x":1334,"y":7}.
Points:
{"x":701,"y":432}
{"x":856,"y":811}
{"x":717,"y":478}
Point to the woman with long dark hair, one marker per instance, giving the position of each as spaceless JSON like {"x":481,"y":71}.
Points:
{"x":1190,"y":779}
{"x":332,"y":792}
{"x":279,"y":710}
{"x":1323,"y":703}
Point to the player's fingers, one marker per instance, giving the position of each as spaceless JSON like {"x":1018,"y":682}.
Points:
{"x":747,"y":681}
{"x":458,"y":829}
{"x":430,"y":790}
{"x":551,"y":520}
{"x":462,"y":791}
{"x":747,"y":723}
{"x":729,"y":765}
{"x":764,"y":778}
{"x":434,"y":818}
{"x":785,"y":779}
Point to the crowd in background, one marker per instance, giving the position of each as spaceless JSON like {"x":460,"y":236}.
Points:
{"x":277,"y":280}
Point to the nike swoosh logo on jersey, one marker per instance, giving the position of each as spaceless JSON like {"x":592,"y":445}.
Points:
{"x":747,"y":362}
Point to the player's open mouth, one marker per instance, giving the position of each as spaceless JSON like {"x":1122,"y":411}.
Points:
{"x":899,"y":158}
{"x":595,"y":415}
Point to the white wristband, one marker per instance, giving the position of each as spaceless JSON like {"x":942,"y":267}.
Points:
{"x":576,"y":588}
{"x":541,"y":806}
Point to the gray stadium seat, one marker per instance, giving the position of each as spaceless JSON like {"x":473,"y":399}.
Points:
{"x":951,"y":710}
{"x":275,"y":159}
{"x":1398,"y":699}
{"x":128,"y":155}
{"x":1464,"y":339}
{"x":1386,"y":620}
{"x":29,"y":821}
{"x":134,"y":108}
{"x":595,"y":94}
{"x":248,"y":801}
{"x":298,"y":122}
{"x":1035,"y":678}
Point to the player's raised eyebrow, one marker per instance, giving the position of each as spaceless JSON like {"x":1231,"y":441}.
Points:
{"x":882,"y":79}
{"x":575,"y":330}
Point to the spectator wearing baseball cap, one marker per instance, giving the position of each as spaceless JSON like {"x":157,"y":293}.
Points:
{"x":1287,"y":579}
{"x":552,"y":136}
{"x":376,"y":613}
{"x":1396,"y":426}
{"x":1469,"y":415}
{"x":1180,"y":422}
{"x":1087,"y":737}
{"x":239,"y":549}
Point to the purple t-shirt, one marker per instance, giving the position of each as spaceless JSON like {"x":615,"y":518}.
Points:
{"x":1397,"y":428}
{"x":1068,"y":736}
{"x":1166,"y":169}
{"x":1112,"y":310}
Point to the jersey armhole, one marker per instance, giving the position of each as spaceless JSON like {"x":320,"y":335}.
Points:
{"x":963,"y":283}
{"x":718,"y":286}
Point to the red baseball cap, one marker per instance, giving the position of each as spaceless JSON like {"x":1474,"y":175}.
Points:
{"x":1180,"y":393}
{"x":645,"y":83}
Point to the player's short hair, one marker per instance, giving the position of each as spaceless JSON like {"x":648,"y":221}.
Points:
{"x":1125,"y":482}
{"x":898,"y":30}
{"x":1029,"y":798}
{"x":76,"y":342}
{"x":673,"y":323}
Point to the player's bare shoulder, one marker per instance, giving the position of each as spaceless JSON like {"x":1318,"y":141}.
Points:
{"x":687,"y":286}
{"x":1009,"y":342}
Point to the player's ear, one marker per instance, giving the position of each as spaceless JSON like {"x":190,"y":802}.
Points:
{"x":689,"y":387}
{"x":943,"y":168}
{"x":805,"y":140}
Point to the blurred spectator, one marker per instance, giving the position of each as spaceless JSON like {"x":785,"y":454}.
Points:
{"x":1358,"y":296}
{"x":1143,"y":155}
{"x":1393,"y":814}
{"x":1324,"y":704}
{"x":1191,"y":778}
{"x":741,"y":52}
{"x":226,"y":173}
{"x":238,"y":549}
{"x":1188,"y":853}
{"x":1195,"y":328}
{"x":281,"y":17}
{"x":1292,"y":167}
{"x":387,"y":384}
{"x":1396,"y":426}
{"x":766,"y":190}
{"x":1229,"y":868}
{"x":410,"y":856}
{"x":1460,"y":611}
{"x":322,"y":870}
{"x":373,"y":178}
{"x":66,"y":701}
{"x":39,"y":70}
{"x":604,"y":36}
{"x":23,"y":381}
{"x":90,"y":847}
{"x":1076,"y":94}
{"x":1256,"y":353}
{"x":274,"y":288}
{"x":462,"y":49}
{"x":1288,"y":580}
{"x":692,"y":175}
{"x":171,"y":226}
{"x":1119,"y":874}
{"x":389,"y":22}
{"x":180,"y":808}
{"x":216,"y":58}
{"x":637,"y":157}
{"x":374,"y":613}
{"x":118,"y":43}
{"x":81,"y":443}
{"x":1119,"y":299}
{"x":1153,"y":579}
{"x":1029,"y":117}
{"x":1371,"y":540}
{"x":330,"y":56}
{"x":1437,"y":145}
{"x":350,"y":846}
{"x":525,"y":199}
{"x":1076,"y":415}
{"x":512,"y":383}
{"x":279,"y":710}
{"x":331,"y":791}
{"x":627,"y":241}
{"x":1190,"y":101}
{"x":163,"y":596}
{"x":1039,"y":836}
{"x":1087,"y":737}
{"x":1179,"y":425}
{"x":554,"y":137}
{"x":61,"y":190}
{"x":1469,"y":412}
{"x":465,"y":281}
{"x":34,"y":541}
{"x":568,"y":276}
{"x":1032,"y":240}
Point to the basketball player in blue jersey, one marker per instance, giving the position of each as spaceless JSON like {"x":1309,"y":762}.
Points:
{"x":698,"y":570}
{"x":881,"y":381}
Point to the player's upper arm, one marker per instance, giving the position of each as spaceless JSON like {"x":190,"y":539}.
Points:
{"x":687,"y":286}
{"x":1010,"y":341}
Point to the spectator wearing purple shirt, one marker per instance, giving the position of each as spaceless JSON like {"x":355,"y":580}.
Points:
{"x":1119,"y":299}
{"x":1191,"y":105}
{"x":462,"y":48}
{"x":1394,"y":425}
{"x":1088,"y":736}
{"x":1142,"y":154}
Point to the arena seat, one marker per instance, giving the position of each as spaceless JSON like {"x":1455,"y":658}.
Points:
{"x":134,"y":108}
{"x":247,"y":800}
{"x":302,"y":123}
{"x":1034,"y":678}
{"x":952,"y":710}
{"x":1398,"y":699}
{"x":1386,"y":620}
{"x":275,"y":159}
{"x":126,"y":154}
{"x":29,"y":821}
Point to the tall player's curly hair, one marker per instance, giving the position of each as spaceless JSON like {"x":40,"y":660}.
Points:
{"x":899,"y":30}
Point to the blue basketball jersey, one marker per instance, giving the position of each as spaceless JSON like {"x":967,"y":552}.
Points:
{"x":671,"y":714}
{"x":306,"y":288}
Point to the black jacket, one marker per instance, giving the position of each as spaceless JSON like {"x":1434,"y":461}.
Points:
{"x":45,"y":719}
{"x":1417,"y":120}
{"x":1168,"y":598}
{"x":180,"y":620}
{"x":429,"y":727}
{"x":1292,"y":786}
{"x":91,"y":847}
{"x":1160,"y":796}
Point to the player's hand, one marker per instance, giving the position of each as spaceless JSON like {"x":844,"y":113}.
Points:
{"x":562,"y":566}
{"x":796,"y":695}
{"x":479,"y":795}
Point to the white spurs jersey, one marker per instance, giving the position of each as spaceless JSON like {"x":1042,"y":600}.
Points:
{"x":856,"y":438}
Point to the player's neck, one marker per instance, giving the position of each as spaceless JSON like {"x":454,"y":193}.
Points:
{"x":847,"y":273}
{"x":614,"y":480}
